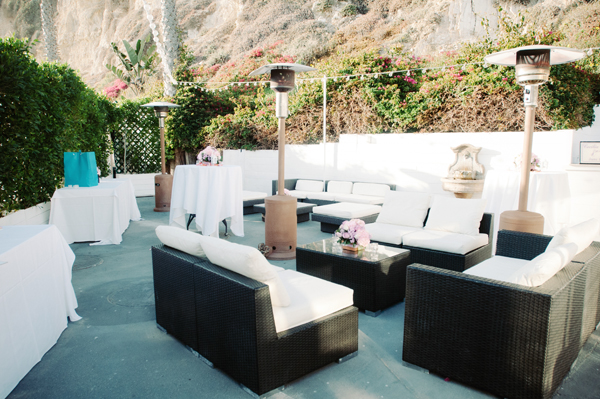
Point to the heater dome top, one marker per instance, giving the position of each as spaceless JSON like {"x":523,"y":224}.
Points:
{"x":156,"y":104}
{"x":293,"y":67}
{"x":558,"y":55}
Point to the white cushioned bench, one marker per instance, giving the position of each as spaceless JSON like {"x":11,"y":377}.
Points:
{"x":445,"y":232}
{"x":332,"y":215}
{"x":332,"y":191}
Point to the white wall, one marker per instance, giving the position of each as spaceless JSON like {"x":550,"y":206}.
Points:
{"x":417,"y":162}
{"x":414,"y":162}
{"x":39,"y":214}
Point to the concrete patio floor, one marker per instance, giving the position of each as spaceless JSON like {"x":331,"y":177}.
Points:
{"x":116,"y":350}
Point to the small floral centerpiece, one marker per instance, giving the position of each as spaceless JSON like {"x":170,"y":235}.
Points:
{"x":534,"y":165}
{"x":353,"y":235}
{"x":209,"y":156}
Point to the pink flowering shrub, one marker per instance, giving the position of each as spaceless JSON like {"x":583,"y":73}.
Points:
{"x":353,"y":232}
{"x":115,"y":90}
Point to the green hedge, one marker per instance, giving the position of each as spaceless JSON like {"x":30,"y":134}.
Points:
{"x":45,"y":110}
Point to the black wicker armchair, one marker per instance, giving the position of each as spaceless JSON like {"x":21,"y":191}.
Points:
{"x":227,"y":318}
{"x":507,"y":339}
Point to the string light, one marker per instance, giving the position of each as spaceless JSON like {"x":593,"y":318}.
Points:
{"x":408,"y":73}
{"x":590,"y":52}
{"x":391,"y":74}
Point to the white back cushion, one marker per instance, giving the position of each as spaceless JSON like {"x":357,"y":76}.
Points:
{"x":378,"y":190}
{"x":404,"y":208}
{"x":541,"y":268}
{"x":339,"y":187}
{"x":180,"y":239}
{"x":456,"y":215}
{"x":241,"y":259}
{"x":528,"y":273}
{"x":581,"y":234}
{"x":309,"y":185}
{"x":247,"y":261}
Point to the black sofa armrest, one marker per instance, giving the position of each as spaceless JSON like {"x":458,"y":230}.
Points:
{"x":515,"y":244}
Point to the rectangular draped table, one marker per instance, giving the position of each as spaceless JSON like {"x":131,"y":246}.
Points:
{"x":100,"y":213}
{"x":212,"y":193}
{"x":36,"y":297}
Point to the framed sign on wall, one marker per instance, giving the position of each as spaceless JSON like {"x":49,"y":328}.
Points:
{"x":589,"y":152}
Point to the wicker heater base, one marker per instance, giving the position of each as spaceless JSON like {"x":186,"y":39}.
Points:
{"x":163,"y":185}
{"x":523,"y":221}
{"x":281,"y":226}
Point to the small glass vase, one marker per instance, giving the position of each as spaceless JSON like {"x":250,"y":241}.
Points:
{"x":350,"y":247}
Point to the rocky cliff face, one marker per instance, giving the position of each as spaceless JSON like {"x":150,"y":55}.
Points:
{"x":220,"y":30}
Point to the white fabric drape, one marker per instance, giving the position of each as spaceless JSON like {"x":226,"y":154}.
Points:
{"x":212,"y":193}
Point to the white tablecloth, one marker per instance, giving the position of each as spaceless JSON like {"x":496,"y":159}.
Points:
{"x":549,"y":195}
{"x":36,"y":296}
{"x":100,"y":213}
{"x":212,"y":193}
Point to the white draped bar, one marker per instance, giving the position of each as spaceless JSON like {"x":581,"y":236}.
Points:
{"x":36,"y":297}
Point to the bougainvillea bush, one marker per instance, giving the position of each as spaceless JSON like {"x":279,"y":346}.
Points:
{"x":375,"y":92}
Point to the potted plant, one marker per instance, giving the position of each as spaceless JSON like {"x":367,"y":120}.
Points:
{"x":352,"y":235}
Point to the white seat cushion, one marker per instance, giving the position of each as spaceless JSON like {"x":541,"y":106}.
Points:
{"x":445,"y":241}
{"x":339,"y":187}
{"x":253,"y":195}
{"x":374,"y":189}
{"x":309,"y":185}
{"x":531,"y":273}
{"x":581,"y":234}
{"x":298,"y":194}
{"x":404,"y":208}
{"x":311,"y":298}
{"x":500,"y":268}
{"x":320,"y":196}
{"x":390,"y":233}
{"x":359,"y":199}
{"x":346,"y":210}
{"x":455,"y":215}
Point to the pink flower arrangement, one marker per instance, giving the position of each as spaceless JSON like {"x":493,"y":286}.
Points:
{"x":353,"y":232}
{"x":207,"y":154}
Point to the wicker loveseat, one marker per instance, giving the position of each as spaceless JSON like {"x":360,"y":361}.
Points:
{"x":511,"y":340}
{"x":228,"y":319}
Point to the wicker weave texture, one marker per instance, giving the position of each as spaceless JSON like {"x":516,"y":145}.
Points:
{"x":510,"y":340}
{"x":234,"y":327}
{"x":376,"y":285}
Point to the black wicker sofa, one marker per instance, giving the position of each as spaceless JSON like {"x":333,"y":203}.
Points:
{"x":511,"y":340}
{"x":228,"y":319}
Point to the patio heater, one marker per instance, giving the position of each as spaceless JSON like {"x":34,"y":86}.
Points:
{"x":163,"y":183}
{"x":280,"y":209}
{"x":532,"y":68}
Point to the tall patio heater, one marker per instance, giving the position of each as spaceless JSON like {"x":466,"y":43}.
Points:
{"x":280,"y":209}
{"x":163,"y":183}
{"x":532,"y":68}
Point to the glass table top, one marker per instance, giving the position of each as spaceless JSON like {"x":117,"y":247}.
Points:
{"x":330,"y":246}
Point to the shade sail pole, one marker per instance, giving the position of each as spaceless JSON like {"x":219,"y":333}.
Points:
{"x":324,"y":126}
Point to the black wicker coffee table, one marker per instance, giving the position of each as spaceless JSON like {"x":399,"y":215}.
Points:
{"x":378,"y":279}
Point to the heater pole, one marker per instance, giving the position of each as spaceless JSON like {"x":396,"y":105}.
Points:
{"x":281,"y":153}
{"x":526,"y":157}
{"x":163,"y":161}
